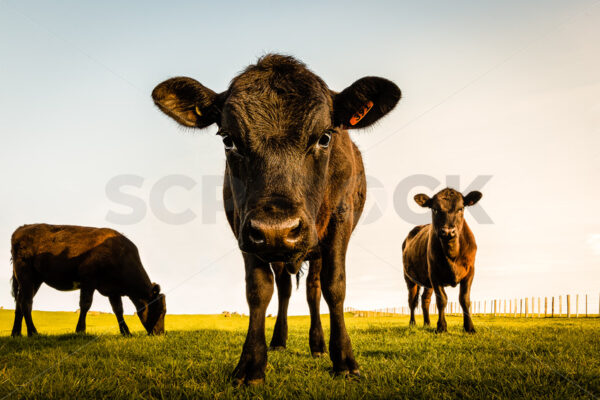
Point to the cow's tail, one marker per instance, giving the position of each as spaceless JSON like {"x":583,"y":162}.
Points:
{"x":13,"y":280}
{"x":15,"y":286}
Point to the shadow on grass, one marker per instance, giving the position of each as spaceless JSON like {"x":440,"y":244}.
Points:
{"x":396,"y":330}
{"x":39,"y":342}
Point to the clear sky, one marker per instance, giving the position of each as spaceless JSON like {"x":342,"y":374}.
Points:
{"x":506,"y":89}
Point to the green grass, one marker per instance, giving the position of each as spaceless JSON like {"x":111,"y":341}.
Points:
{"x":507,"y":358}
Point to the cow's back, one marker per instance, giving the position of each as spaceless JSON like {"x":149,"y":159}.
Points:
{"x":414,"y":255}
{"x":64,"y":256}
{"x":59,"y":240}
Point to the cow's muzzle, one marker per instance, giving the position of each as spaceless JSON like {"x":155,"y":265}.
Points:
{"x":276,"y":238}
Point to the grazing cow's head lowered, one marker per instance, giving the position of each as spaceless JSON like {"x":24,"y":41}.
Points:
{"x":279,"y":123}
{"x":447,"y":209}
{"x":152,"y":314}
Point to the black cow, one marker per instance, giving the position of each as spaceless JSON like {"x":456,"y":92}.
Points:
{"x":69,"y":257}
{"x":441,"y":254}
{"x":294,"y":187}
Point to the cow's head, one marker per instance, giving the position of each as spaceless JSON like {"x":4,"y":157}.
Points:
{"x":153,"y":310}
{"x":447,"y":209}
{"x":279,"y":124}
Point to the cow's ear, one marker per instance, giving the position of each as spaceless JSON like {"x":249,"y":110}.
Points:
{"x":472,"y":198}
{"x":155,"y":289}
{"x":364,"y":102}
{"x":423,"y":200}
{"x":188,"y":102}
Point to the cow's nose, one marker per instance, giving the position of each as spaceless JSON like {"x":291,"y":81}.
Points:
{"x":275,"y":234}
{"x":449,"y":232}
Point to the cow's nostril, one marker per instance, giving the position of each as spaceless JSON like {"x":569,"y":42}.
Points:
{"x":293,"y":234}
{"x":295,"y":230}
{"x":255,"y":234}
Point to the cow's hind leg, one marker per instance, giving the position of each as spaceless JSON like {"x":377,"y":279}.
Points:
{"x":259,"y":289}
{"x":117,"y":306}
{"x":86,"y":296}
{"x":413,"y":299}
{"x":464,"y":298}
{"x":284,"y":290}
{"x":425,"y":301}
{"x":316,"y":339}
{"x":27,"y":290}
{"x":17,"y":325}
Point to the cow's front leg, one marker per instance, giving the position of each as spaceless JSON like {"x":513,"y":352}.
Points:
{"x":316,"y":339}
{"x":259,"y":289}
{"x":441,"y":299}
{"x":425,"y":301}
{"x":465,"y":302}
{"x":86,"y":296}
{"x":284,"y":290}
{"x":333,"y":280}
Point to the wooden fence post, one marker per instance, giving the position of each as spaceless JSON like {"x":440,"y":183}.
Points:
{"x":568,"y":306}
{"x":515,"y":309}
{"x":545,"y":307}
{"x":539,"y":307}
{"x":560,"y":306}
{"x":586,"y":306}
{"x":552,"y":306}
{"x":576,"y":306}
{"x":526,"y":304}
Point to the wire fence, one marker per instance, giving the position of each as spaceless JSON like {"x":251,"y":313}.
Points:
{"x":567,"y":306}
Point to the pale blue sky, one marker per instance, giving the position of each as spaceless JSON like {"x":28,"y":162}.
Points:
{"x":508,"y":89}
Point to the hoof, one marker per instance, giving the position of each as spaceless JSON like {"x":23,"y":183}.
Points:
{"x":255,"y":382}
{"x":276,"y":348}
{"x":470,"y":331}
{"x":353,"y":375}
{"x":241,"y":382}
{"x":340,"y":374}
{"x":237,"y":382}
{"x":16,"y":334}
{"x":318,"y":354}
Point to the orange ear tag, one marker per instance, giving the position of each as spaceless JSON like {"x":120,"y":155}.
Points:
{"x":198,"y":111}
{"x":361,"y":114}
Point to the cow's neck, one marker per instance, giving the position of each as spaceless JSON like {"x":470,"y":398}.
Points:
{"x":140,"y":295}
{"x":451,"y":255}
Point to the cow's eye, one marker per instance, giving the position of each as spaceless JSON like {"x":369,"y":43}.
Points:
{"x":228,"y":142}
{"x":324,"y":140}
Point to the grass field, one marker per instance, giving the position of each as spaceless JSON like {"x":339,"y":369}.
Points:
{"x":507,"y":358}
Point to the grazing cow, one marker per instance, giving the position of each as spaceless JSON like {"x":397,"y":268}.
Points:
{"x":441,"y":254}
{"x":69,"y":257}
{"x":294,"y":187}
